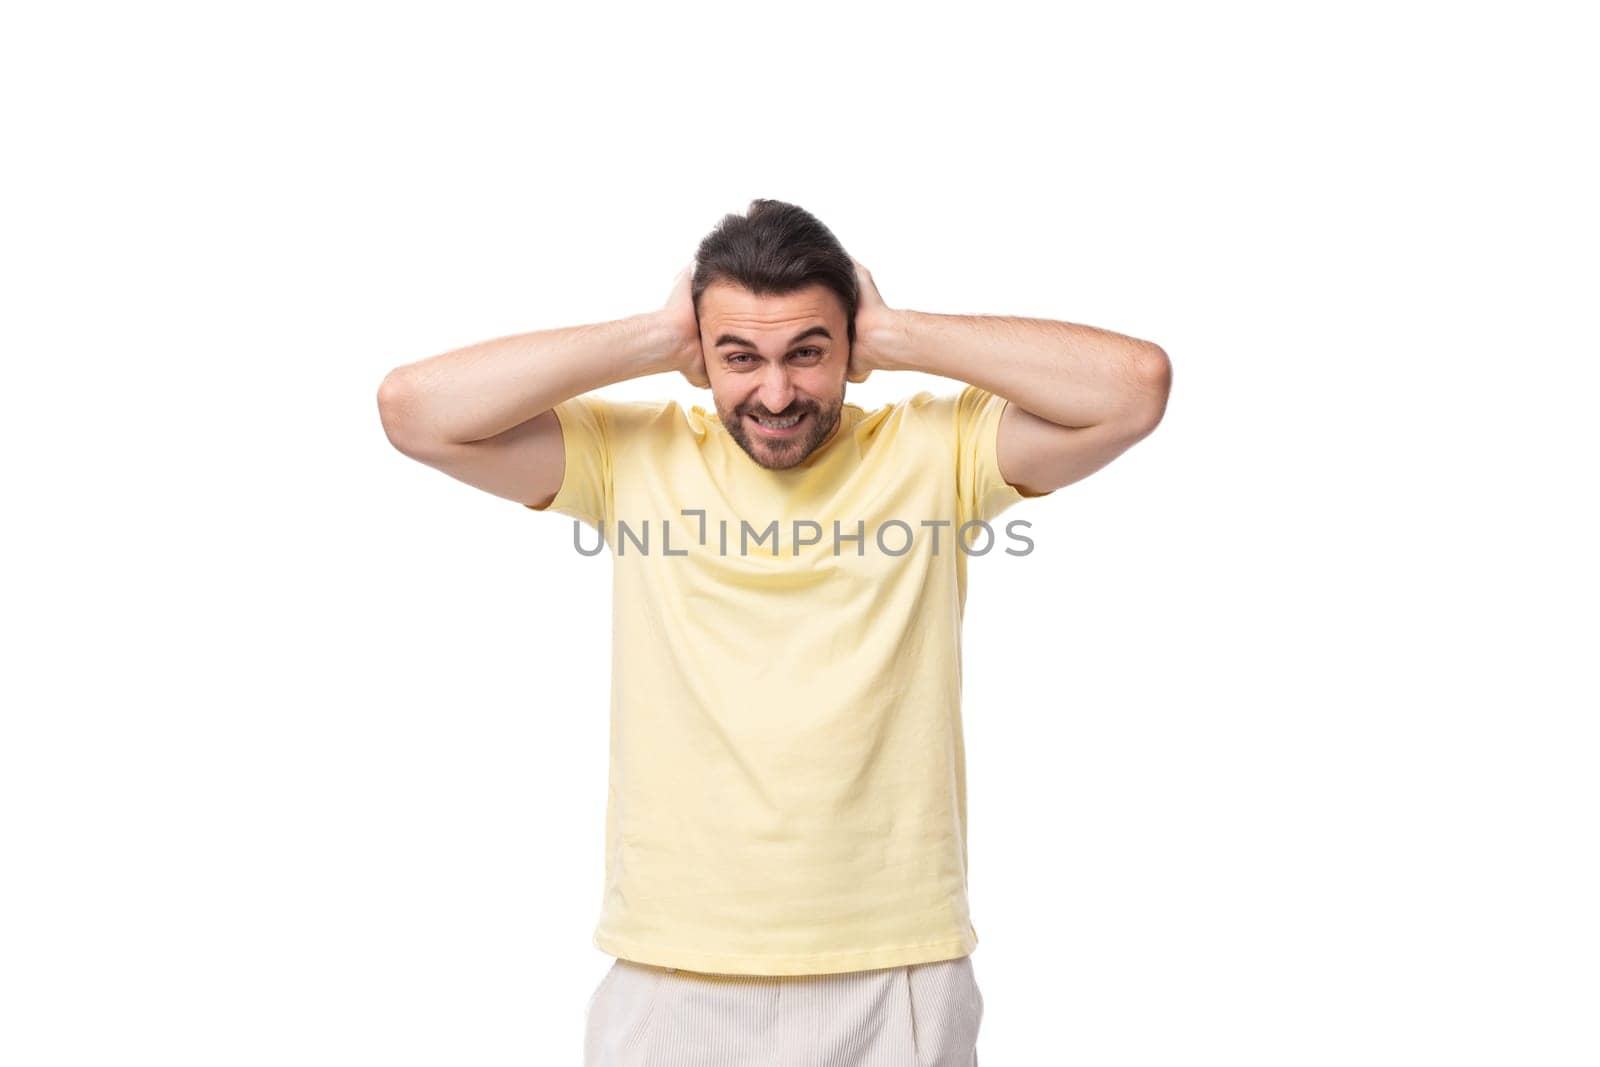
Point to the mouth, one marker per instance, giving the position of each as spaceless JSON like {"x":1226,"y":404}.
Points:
{"x":778,"y":429}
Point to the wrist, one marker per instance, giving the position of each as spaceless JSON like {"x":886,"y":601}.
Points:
{"x":663,"y":346}
{"x":883,"y":342}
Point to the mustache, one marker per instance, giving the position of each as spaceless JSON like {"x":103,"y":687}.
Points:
{"x":786,"y":412}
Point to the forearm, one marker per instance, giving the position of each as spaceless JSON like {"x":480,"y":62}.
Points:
{"x":475,"y":392}
{"x":1071,"y":375}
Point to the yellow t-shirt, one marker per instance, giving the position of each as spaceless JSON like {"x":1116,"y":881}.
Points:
{"x":787,"y":780}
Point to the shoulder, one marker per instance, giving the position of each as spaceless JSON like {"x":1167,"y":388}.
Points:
{"x":950,"y":411}
{"x":623,"y":419}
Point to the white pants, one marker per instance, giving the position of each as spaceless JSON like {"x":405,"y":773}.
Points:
{"x":918,"y":1015}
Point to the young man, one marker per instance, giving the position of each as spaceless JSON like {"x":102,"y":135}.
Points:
{"x":786,"y":858}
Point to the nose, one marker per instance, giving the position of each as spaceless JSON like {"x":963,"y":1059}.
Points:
{"x":775,"y":392}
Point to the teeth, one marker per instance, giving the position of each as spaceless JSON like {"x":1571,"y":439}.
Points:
{"x":777,"y":424}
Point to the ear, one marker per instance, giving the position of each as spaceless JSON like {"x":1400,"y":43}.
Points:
{"x":854,"y":372}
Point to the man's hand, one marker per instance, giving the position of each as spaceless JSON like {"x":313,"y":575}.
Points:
{"x":680,"y":316}
{"x":873,"y":319}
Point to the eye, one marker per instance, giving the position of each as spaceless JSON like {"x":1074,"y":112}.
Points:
{"x":816,"y":351}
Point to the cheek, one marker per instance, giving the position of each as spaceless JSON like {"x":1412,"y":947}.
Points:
{"x":823,"y":380}
{"x":731,"y":397}
{"x":821,"y":375}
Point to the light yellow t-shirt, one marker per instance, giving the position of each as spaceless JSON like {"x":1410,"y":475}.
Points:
{"x":787,"y":781}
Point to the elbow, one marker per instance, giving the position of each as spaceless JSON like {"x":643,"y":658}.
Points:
{"x":398,"y":411}
{"x":1153,"y":373}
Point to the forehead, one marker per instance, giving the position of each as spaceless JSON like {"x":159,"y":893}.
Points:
{"x":732,"y":307}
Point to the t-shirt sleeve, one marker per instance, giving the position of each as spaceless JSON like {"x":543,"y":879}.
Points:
{"x":981,"y":491}
{"x":586,"y":438}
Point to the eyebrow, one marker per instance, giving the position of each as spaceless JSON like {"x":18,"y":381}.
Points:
{"x":814,"y":331}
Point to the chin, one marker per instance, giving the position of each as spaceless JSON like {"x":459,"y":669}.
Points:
{"x":782,"y":465}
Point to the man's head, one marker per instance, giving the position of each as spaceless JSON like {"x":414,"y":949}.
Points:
{"x":776,"y":296}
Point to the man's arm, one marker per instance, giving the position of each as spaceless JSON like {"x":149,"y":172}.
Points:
{"x":482,"y":414}
{"x":1077,"y":396}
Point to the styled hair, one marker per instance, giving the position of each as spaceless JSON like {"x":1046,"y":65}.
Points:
{"x":774,"y":249}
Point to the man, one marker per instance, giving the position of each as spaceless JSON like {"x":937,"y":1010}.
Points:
{"x":786,"y":858}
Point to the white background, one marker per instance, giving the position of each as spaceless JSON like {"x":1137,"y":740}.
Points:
{"x":1282,"y":743}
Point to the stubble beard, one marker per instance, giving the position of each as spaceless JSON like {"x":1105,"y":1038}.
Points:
{"x":782,"y":454}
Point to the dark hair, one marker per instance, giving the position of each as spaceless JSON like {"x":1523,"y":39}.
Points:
{"x":775,"y":248}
